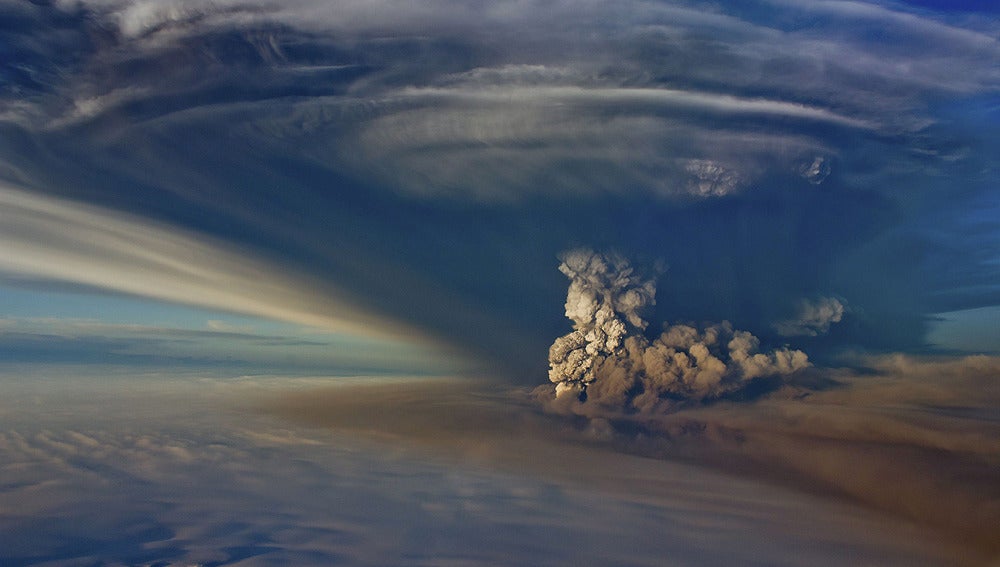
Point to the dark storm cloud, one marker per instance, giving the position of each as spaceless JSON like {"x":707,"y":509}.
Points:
{"x":430,"y":161}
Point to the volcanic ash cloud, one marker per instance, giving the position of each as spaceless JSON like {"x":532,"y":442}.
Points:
{"x":813,"y":318}
{"x":608,"y":361}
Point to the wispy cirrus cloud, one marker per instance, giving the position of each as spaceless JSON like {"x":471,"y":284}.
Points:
{"x":217,"y":344}
{"x":50,"y":238}
{"x":689,"y":58}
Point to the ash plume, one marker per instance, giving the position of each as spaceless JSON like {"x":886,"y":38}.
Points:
{"x":813,"y":318}
{"x":608,"y":361}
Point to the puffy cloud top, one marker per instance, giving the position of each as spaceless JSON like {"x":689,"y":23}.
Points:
{"x":813,"y":317}
{"x":607,"y":360}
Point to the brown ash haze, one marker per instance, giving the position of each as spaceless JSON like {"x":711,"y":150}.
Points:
{"x":572,"y":282}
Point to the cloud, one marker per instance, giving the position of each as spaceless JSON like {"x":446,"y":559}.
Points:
{"x":400,"y":151}
{"x":557,"y":94}
{"x":599,"y":138}
{"x":225,"y":327}
{"x":913,"y":437}
{"x":813,"y":317}
{"x":425,"y":161}
{"x":50,"y":238}
{"x":296,"y":350}
{"x":711,"y":179}
{"x":816,"y":171}
{"x":481,"y":113}
{"x":131,"y":469}
{"x":909,"y":437}
{"x":608,"y":362}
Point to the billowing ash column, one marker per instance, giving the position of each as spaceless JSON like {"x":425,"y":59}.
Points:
{"x":604,"y":302}
{"x":608,"y":360}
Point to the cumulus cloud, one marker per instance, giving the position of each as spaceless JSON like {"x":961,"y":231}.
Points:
{"x":814,"y":317}
{"x":607,"y":361}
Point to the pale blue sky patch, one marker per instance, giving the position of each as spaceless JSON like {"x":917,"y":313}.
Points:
{"x":68,"y":327}
{"x":968,"y":330}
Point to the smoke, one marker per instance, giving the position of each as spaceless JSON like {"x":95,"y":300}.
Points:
{"x":813,"y":318}
{"x":605,"y":299}
{"x":710,"y":179}
{"x":816,"y":171}
{"x":608,"y":362}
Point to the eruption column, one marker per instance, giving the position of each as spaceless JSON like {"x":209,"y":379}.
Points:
{"x":609,"y":361}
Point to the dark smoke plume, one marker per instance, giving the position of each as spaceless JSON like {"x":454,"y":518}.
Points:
{"x":608,"y":361}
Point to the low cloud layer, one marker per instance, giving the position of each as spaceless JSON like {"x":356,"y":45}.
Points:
{"x":913,"y":438}
{"x":115,"y":468}
{"x":608,"y":361}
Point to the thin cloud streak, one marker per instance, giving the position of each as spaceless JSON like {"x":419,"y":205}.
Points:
{"x":671,"y":97}
{"x":54,"y":239}
{"x":217,"y":345}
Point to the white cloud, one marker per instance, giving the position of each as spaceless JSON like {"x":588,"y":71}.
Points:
{"x":722,"y":103}
{"x":49,"y":238}
{"x":503,"y":143}
{"x":608,"y":95}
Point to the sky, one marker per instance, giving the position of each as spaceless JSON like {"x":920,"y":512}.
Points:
{"x":746,"y":205}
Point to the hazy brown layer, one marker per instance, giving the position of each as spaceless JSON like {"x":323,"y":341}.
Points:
{"x":918,"y":439}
